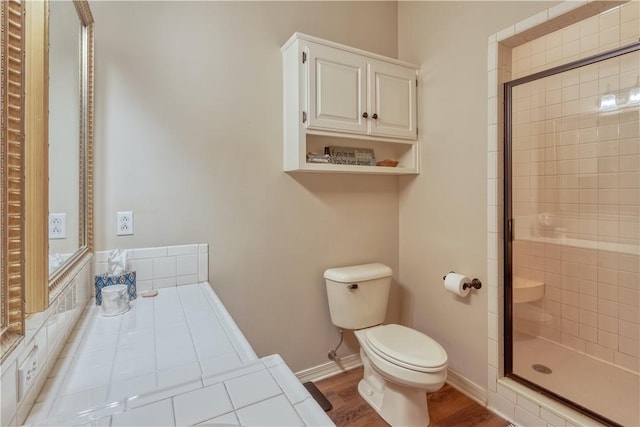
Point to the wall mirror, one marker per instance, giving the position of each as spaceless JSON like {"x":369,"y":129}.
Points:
{"x":28,"y":109}
{"x":70,"y":136}
{"x":66,"y":236}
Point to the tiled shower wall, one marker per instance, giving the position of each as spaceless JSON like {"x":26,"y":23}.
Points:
{"x":576,"y":180}
{"x":545,"y":49}
{"x":590,"y":303}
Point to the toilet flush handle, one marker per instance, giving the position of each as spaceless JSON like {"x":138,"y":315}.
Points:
{"x":352,"y":287}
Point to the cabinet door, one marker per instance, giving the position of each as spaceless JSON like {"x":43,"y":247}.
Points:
{"x":337,"y":90}
{"x":392,"y":89}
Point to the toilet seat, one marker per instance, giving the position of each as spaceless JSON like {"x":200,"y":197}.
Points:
{"x":406,"y":347}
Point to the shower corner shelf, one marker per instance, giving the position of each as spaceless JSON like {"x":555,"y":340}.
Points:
{"x":526,"y":290}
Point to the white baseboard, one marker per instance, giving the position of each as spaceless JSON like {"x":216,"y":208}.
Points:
{"x":467,"y":387}
{"x":347,"y":363}
{"x":330,"y":369}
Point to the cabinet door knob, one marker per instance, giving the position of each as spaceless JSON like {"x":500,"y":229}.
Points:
{"x":375,"y":116}
{"x":365,"y":115}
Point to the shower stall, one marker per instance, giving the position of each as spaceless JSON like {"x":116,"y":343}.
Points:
{"x":572,"y":221}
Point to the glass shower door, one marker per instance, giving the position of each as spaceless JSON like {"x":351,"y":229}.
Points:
{"x":573,"y":259}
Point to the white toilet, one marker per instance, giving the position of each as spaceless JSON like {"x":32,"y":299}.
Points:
{"x":400,"y":364}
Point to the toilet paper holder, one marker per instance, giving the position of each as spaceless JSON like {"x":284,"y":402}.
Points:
{"x":474,"y":284}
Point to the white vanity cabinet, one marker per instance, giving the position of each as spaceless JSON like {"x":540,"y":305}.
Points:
{"x":335,"y":95}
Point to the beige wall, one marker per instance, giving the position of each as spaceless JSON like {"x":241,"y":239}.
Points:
{"x":189,"y":137}
{"x":443,"y":211}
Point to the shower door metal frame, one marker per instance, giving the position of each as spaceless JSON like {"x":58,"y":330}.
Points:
{"x":508,"y":220}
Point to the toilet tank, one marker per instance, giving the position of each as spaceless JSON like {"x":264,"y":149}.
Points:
{"x":358,"y":294}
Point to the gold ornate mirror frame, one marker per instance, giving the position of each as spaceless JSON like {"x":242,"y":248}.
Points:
{"x":25,"y":283}
{"x":11,"y":175}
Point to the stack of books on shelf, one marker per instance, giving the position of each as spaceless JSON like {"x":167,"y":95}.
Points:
{"x":317,"y":158}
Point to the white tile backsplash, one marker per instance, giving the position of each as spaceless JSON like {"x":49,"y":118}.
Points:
{"x":163,"y":267}
{"x":203,"y":266}
{"x":183,"y":250}
{"x":144,"y":285}
{"x":143,"y":268}
{"x":187,"y":265}
{"x":158,"y":252}
{"x":166,"y":282}
{"x":185,"y":280}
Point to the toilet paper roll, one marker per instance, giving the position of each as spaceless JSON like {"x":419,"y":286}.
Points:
{"x":454,"y":282}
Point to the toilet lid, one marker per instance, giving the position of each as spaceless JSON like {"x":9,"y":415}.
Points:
{"x":407,"y":347}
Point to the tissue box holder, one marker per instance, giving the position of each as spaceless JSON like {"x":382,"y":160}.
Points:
{"x":127,"y":278}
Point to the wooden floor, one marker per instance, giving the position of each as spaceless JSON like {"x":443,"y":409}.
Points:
{"x":447,"y":407}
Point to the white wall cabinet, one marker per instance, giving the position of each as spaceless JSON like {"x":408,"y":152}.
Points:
{"x":335,"y":95}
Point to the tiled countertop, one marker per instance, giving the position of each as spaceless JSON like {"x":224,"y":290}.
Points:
{"x":175,"y":359}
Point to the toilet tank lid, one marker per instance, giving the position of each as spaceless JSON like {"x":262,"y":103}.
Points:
{"x":358,"y":273}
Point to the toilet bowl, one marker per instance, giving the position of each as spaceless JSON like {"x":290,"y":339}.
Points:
{"x":400,"y":364}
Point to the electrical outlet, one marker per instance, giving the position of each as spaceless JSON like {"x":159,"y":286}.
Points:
{"x":28,"y":372}
{"x":57,"y":226}
{"x":124,"y":224}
